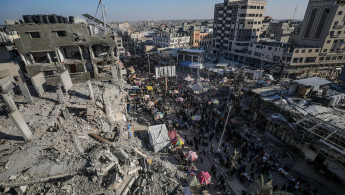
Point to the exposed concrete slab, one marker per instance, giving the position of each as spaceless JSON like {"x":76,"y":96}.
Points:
{"x":114,"y":73}
{"x":26,"y":93}
{"x":23,"y":128}
{"x":6,"y":83}
{"x":66,"y":81}
{"x":38,"y":81}
{"x":9,"y":101}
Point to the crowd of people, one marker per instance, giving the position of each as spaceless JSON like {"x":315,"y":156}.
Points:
{"x":239,"y":156}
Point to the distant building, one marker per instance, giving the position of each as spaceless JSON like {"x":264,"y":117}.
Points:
{"x":163,"y":39}
{"x":201,"y":39}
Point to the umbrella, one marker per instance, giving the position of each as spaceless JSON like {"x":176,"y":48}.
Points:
{"x":179,"y":99}
{"x":158,"y":115}
{"x":191,"y":156}
{"x":215,"y":101}
{"x":179,"y":141}
{"x":175,"y":91}
{"x":150,"y":104}
{"x":204,"y":177}
{"x":196,"y":118}
{"x":146,"y":97}
{"x":155,"y":110}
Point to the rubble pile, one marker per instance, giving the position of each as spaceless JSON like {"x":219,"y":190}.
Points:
{"x":81,"y":147}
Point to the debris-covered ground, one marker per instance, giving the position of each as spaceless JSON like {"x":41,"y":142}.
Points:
{"x":81,"y":147}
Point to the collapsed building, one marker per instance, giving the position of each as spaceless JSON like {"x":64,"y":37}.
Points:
{"x":309,"y":116}
{"x":49,"y":42}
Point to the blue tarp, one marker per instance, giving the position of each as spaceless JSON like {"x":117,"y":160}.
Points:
{"x":185,"y":63}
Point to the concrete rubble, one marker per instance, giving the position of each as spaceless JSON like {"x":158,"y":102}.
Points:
{"x":79,"y":146}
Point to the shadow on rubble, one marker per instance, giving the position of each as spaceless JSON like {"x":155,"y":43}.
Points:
{"x":144,"y":138}
{"x":10,"y":137}
{"x":78,"y":94}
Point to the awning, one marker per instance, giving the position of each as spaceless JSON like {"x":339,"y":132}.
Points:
{"x":185,"y":63}
{"x":196,"y":65}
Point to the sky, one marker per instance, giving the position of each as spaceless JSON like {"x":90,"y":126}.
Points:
{"x":135,"y":10}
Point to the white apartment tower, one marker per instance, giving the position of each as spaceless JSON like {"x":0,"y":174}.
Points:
{"x":237,"y":23}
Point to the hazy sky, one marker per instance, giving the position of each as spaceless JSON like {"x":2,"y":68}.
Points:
{"x":128,"y":10}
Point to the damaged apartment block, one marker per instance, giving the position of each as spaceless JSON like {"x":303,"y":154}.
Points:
{"x":50,"y":42}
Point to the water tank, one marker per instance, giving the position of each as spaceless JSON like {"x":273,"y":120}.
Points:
{"x":71,"y":19}
{"x":46,"y":19}
{"x":54,"y":18}
{"x":65,"y":20}
{"x":39,"y":19}
{"x":28,"y":19}
{"x":60,"y":19}
{"x":35,"y":18}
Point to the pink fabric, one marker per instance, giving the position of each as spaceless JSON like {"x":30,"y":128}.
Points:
{"x":172,"y":134}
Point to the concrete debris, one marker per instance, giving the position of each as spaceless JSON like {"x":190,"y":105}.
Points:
{"x":76,"y":148}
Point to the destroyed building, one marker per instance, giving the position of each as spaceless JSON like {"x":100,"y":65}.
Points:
{"x":307,"y":115}
{"x":49,"y":42}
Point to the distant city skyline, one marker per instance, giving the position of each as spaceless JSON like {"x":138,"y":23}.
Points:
{"x":137,"y":10}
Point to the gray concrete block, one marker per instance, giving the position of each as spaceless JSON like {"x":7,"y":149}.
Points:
{"x":26,"y":93}
{"x":6,"y":83}
{"x":38,"y":81}
{"x":23,"y":128}
{"x":9,"y":102}
{"x":114,"y":72}
{"x":65,"y":80}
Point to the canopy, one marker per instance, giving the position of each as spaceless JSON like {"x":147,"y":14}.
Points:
{"x":188,"y":78}
{"x":204,"y":177}
{"x":191,"y":156}
{"x":215,"y":101}
{"x":146,"y":97}
{"x":197,"y":87}
{"x":158,"y":115}
{"x":222,"y":65}
{"x":135,"y":88}
{"x":178,"y":141}
{"x":196,"y":118}
{"x":196,"y":65}
{"x":150,"y":104}
{"x":179,"y":99}
{"x":150,"y":88}
{"x":158,"y":136}
{"x":185,"y":63}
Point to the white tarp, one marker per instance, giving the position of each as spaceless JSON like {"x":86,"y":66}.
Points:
{"x":197,"y":87}
{"x":196,"y":65}
{"x":158,"y":136}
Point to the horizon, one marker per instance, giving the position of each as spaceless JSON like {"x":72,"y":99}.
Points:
{"x":123,"y":11}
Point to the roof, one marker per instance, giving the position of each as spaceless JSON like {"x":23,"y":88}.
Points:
{"x":194,"y":50}
{"x":312,"y":82}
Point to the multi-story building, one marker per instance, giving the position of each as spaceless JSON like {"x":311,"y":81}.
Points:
{"x":237,"y":23}
{"x":164,"y":39}
{"x":201,"y":38}
{"x":321,"y":41}
{"x":48,"y":44}
{"x":269,"y":51}
{"x":282,"y":31}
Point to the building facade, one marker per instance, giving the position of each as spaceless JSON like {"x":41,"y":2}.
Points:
{"x":79,"y":48}
{"x":201,"y":39}
{"x":237,"y":23}
{"x":167,"y":40}
{"x":321,"y":42}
